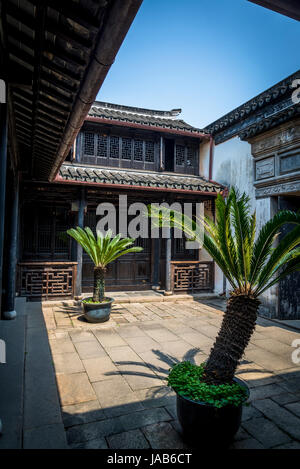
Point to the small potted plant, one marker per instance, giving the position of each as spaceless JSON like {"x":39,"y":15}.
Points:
{"x":209,"y":396}
{"x":102,"y":250}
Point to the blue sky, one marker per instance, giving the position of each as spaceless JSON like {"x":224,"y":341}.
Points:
{"x":204,"y":56}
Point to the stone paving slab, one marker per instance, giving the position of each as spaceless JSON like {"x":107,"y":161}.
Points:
{"x":74,"y":388}
{"x":114,"y":393}
{"x":133,"y":439}
{"x":12,"y":379}
{"x":283,"y":418}
{"x":85,"y":412}
{"x":269,"y":435}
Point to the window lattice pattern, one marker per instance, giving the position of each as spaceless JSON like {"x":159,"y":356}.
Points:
{"x":89,"y":144}
{"x":191,"y":157}
{"x":102,"y":146}
{"x":126,"y":148}
{"x":149,"y":153}
{"x":51,"y":281}
{"x":193,"y":276}
{"x":119,"y":148}
{"x":138,"y":150}
{"x":180,"y":151}
{"x":114,"y":147}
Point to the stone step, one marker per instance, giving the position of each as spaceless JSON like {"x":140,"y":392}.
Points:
{"x":124,"y":297}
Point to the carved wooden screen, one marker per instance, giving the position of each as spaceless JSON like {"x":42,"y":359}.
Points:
{"x":46,"y":280}
{"x":192,"y":276}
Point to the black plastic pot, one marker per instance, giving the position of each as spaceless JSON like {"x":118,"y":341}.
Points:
{"x":205,"y":425}
{"x":99,"y":312}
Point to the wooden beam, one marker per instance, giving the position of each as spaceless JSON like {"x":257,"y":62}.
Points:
{"x":168,"y":266}
{"x":3,"y":165}
{"x":156,"y":263}
{"x":9,"y":298}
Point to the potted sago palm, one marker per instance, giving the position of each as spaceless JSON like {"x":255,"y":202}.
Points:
{"x":102,"y":250}
{"x":209,"y":396}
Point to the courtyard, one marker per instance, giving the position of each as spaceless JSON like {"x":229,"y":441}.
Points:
{"x":97,"y":386}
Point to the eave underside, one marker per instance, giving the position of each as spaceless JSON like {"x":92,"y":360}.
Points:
{"x":55,"y":56}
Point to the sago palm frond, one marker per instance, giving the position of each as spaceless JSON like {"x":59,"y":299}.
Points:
{"x":248,"y":265}
{"x":102,"y":249}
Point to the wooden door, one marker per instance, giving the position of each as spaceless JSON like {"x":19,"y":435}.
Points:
{"x":289,"y":286}
{"x":129,"y":272}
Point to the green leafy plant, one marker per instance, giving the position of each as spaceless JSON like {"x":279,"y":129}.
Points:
{"x":251,"y":264}
{"x":187,"y":380}
{"x":102,"y":250}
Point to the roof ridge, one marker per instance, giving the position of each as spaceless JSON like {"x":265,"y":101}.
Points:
{"x":173,"y":113}
{"x":264,"y":98}
{"x":137,"y":116}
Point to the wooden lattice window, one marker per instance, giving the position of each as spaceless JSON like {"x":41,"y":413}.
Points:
{"x":180,"y":155}
{"x":114,"y":147}
{"x":126,"y":148}
{"x":149,"y":152}
{"x":138,"y":150}
{"x":44,"y":227}
{"x":89,"y":144}
{"x":102,"y":146}
{"x":117,"y":151}
{"x":191,"y":156}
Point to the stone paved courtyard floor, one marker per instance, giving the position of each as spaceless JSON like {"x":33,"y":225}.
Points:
{"x":111,"y":377}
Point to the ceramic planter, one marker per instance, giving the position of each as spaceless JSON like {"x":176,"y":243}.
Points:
{"x":97,"y":312}
{"x":204,"y":424}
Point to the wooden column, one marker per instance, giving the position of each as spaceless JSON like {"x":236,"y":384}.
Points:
{"x":3,"y":160}
{"x":80,"y":223}
{"x":156,"y":263}
{"x":168,"y":266}
{"x":161,"y":154}
{"x":9,"y":302}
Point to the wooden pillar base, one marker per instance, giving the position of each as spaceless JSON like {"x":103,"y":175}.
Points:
{"x":168,"y":293}
{"x":9,"y":314}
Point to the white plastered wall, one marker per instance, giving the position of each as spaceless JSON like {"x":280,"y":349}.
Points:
{"x":233,"y":166}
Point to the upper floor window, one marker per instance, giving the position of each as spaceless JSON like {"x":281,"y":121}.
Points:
{"x":117,"y":151}
{"x":181,"y":157}
{"x":178,"y":155}
{"x":89,"y":144}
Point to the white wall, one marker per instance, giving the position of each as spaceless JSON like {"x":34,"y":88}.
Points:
{"x":233,"y":166}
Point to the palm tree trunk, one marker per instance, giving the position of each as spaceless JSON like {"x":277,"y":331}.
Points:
{"x":99,"y":285}
{"x":235,"y":333}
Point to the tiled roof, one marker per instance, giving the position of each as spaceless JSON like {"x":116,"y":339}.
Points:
{"x":270,"y":108}
{"x":149,"y":180}
{"x":148,"y":117}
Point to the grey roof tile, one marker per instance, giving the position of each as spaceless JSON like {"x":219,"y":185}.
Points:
{"x":159,"y":119}
{"x":79,"y":173}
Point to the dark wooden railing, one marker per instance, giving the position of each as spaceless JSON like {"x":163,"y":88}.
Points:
{"x":192,"y":276}
{"x":47,"y":280}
